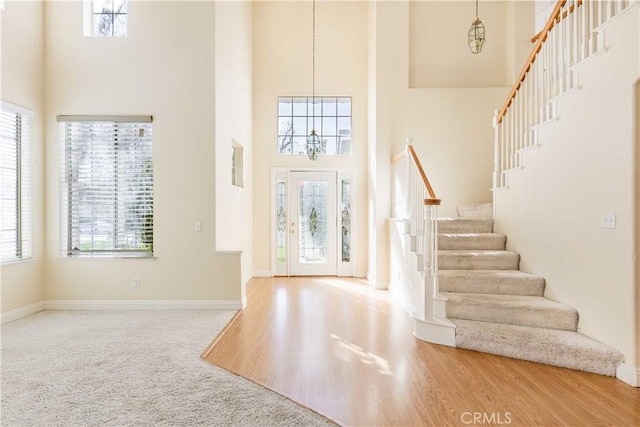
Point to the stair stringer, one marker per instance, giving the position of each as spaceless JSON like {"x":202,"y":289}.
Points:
{"x":412,"y":288}
{"x":434,"y":327}
{"x":406,"y":282}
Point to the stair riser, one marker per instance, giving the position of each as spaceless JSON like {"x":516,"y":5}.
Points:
{"x":530,"y":316}
{"x":540,"y":356}
{"x":465,"y":226}
{"x":503,"y":261}
{"x":415,"y":261}
{"x":500,"y":286}
{"x":476,"y":211}
{"x":471,"y":243}
{"x":554,"y":348}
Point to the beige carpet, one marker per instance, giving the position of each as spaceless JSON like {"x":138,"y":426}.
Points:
{"x":129,"y":368}
{"x":500,"y":310}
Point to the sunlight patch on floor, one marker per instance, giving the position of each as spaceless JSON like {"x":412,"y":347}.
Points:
{"x":346,"y":349}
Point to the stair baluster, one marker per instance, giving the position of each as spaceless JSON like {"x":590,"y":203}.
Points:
{"x":414,"y":196}
{"x":570,"y":36}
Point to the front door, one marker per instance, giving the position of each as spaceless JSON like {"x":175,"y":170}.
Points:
{"x":312,"y":223}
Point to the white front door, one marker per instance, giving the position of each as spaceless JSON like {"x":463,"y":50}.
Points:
{"x":312,"y":223}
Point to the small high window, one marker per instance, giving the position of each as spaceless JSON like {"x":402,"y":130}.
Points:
{"x":329,"y":116}
{"x":105,"y":18}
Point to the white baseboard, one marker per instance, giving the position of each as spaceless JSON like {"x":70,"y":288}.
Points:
{"x":628,"y":374}
{"x":362,"y":274}
{"x":262,"y":273}
{"x":381,"y":284}
{"x":435,"y":331}
{"x":143,"y":305}
{"x":21,"y":312}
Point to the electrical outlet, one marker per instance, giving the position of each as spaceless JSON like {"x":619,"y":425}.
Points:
{"x":197,"y":226}
{"x":608,"y":221}
{"x":136,"y":282}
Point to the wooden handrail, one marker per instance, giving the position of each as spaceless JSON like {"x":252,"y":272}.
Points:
{"x":433,"y":200}
{"x":398,"y":156}
{"x":564,"y":15}
{"x":532,"y":57}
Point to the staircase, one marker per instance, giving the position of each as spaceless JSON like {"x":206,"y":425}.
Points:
{"x":461,"y":285}
{"x":501,"y":310}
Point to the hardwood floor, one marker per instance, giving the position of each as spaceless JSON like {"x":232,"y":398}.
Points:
{"x":347,"y":351}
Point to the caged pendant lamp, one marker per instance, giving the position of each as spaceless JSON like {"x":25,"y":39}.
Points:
{"x":476,"y":36}
{"x":313,"y":140}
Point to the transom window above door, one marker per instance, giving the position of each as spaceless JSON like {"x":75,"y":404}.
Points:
{"x":329,"y":116}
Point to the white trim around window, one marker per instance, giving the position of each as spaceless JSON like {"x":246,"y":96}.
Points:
{"x":106,"y":186}
{"x":15,"y":171}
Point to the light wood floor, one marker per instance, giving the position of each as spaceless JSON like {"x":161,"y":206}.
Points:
{"x":348,"y":352}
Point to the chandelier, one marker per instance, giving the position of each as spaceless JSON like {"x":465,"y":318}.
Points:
{"x":476,"y":37}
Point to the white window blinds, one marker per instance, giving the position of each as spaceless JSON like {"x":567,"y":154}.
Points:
{"x":16,"y":183}
{"x":107,"y":185}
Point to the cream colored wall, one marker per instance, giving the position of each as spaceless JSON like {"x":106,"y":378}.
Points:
{"x":453,"y":135}
{"x":450,"y":127}
{"x":233,"y":113}
{"x":384,"y":82}
{"x":438,"y":50}
{"x":21,"y":84}
{"x":583,"y":169}
{"x":448,"y":110}
{"x":521,"y":16}
{"x":164,"y":67}
{"x":282,"y":67}
{"x":543,"y":9}
{"x":443,"y":74}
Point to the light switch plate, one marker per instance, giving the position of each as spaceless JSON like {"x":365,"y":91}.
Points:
{"x":608,"y":221}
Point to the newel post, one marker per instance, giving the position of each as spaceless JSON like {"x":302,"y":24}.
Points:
{"x":496,"y":158}
{"x":407,"y":176}
{"x":427,"y":263}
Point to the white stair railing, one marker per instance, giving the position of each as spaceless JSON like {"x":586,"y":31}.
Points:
{"x":415,"y":201}
{"x":571,"y":35}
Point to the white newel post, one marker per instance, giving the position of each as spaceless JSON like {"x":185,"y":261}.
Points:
{"x":433,"y":210}
{"x":427,"y":257}
{"x":407,"y":187}
{"x":496,"y":159}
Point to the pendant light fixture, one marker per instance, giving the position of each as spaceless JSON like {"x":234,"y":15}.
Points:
{"x":476,"y":34}
{"x":313,"y":140}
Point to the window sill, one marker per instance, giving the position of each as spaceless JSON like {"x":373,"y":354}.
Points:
{"x":108,"y":257}
{"x":17,"y":261}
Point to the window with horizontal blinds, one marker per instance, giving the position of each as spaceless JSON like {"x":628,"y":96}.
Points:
{"x":107,"y":186}
{"x":15,"y":238}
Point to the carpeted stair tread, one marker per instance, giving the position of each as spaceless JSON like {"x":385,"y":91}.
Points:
{"x":519,"y":310}
{"x":505,"y":282}
{"x":550,"y":346}
{"x":467,"y":241}
{"x":464,"y":225}
{"x":478,"y":260}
